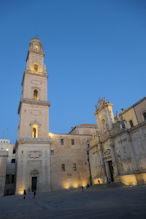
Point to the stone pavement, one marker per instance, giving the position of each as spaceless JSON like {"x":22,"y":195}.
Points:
{"x":126,"y":202}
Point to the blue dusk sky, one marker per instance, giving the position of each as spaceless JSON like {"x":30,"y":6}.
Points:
{"x":93,"y":49}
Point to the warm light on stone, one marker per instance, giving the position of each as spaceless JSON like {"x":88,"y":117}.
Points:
{"x":98,"y":181}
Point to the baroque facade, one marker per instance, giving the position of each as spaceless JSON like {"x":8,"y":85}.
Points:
{"x":114,"y":149}
{"x":118,"y":150}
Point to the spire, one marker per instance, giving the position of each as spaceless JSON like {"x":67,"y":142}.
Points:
{"x":35,"y":38}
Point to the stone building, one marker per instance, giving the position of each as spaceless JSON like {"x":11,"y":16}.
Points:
{"x":46,"y":161}
{"x":69,"y":158}
{"x":118,"y":150}
{"x":7,"y":166}
{"x":3,"y":168}
{"x":112,"y":150}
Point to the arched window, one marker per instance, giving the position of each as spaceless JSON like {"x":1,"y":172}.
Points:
{"x":144,"y":116}
{"x":36,"y":66}
{"x":35,"y":94}
{"x":35,"y":131}
{"x":36,"y":48}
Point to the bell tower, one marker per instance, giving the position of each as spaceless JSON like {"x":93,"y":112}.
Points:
{"x":33,"y":143}
{"x":104,"y":116}
{"x":33,"y":108}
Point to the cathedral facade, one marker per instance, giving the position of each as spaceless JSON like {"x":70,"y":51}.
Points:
{"x":113,"y":150}
{"x":118,"y":150}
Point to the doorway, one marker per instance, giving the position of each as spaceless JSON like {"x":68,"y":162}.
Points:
{"x":34,"y":184}
{"x":111,"y":170}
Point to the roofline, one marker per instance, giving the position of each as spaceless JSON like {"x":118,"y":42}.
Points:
{"x":80,"y":126}
{"x":70,"y":134}
{"x":144,"y":98}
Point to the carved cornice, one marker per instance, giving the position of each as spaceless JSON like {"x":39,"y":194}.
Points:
{"x":41,"y":74}
{"x":111,"y":135}
{"x":33,"y":102}
{"x":27,"y":140}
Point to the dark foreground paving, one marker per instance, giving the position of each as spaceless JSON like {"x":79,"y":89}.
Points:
{"x":129,"y":202}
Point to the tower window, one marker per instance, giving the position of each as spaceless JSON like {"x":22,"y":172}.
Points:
{"x":36,"y":66}
{"x":62,"y":141}
{"x":36,"y":48}
{"x":72,"y":141}
{"x":63,"y":167}
{"x":144,"y":116}
{"x":74,"y":166}
{"x":35,"y":131}
{"x":131,"y":123}
{"x":35,"y":94}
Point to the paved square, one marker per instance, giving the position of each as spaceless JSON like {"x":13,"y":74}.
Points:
{"x":127,"y":202}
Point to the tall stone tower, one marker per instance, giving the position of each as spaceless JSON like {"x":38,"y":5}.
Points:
{"x":33,"y":143}
{"x":104,"y":116}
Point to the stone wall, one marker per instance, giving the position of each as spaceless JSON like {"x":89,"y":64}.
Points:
{"x":3,"y":168}
{"x":34,"y":161}
{"x":74,"y":159}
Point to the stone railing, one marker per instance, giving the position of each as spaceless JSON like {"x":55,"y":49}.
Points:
{"x":41,"y":102}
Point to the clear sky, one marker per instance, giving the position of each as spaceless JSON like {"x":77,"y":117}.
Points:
{"x":93,"y":49}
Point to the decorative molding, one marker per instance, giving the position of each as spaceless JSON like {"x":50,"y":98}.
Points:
{"x":107,"y":152}
{"x":34,"y":154}
{"x":36,"y":82}
{"x":34,"y":172}
{"x":35,"y":112}
{"x":33,"y":102}
{"x":44,"y":75}
{"x":30,"y":140}
{"x":34,"y":122}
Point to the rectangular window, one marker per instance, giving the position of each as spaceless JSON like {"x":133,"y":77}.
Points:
{"x":74,"y":166}
{"x":131,"y":123}
{"x":63,"y":167}
{"x":72,"y":141}
{"x":52,"y":151}
{"x":62,"y":141}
